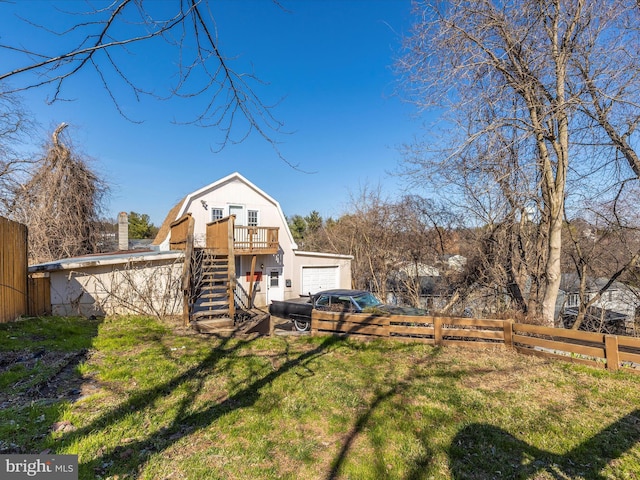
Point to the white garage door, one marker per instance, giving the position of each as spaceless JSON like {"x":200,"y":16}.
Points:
{"x":315,"y":279}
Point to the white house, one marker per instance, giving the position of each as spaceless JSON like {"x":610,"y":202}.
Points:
{"x":288,"y":273}
{"x":150,"y":282}
{"x":620,"y":304}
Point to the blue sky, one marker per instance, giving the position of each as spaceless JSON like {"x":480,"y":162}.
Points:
{"x":328,"y":65}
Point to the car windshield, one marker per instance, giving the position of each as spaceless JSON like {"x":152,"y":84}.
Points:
{"x":366,"y":300}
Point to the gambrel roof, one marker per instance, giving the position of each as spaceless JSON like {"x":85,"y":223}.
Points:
{"x":180,"y":208}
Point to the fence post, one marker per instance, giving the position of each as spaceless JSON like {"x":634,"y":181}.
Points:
{"x":508,"y":332}
{"x":314,"y":323}
{"x":437,"y":330}
{"x":611,"y":352}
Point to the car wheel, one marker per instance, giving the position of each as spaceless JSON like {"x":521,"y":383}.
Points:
{"x":302,"y":325}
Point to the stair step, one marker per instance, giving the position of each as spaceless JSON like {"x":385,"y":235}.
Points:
{"x":214,"y":272}
{"x":213,"y":324}
{"x":214,"y":302}
{"x":221,"y":277}
{"x":214,"y":293}
{"x":212,"y":287}
{"x":210,"y":279}
{"x":205,"y":314}
{"x":220,"y":294}
{"x":220,"y":303}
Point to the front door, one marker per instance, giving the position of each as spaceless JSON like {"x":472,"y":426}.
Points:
{"x":238,"y":211}
{"x":274,"y":284}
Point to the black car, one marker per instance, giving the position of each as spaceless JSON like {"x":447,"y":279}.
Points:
{"x":340,"y":300}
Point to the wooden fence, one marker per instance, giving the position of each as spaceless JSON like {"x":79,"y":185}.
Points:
{"x":39,"y":295}
{"x":20,"y":294}
{"x":595,"y":349}
{"x":13,"y":270}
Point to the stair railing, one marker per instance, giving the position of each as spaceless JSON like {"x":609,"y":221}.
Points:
{"x":241,"y":297}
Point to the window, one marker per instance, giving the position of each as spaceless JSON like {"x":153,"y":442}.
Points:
{"x":216,"y":214}
{"x":322,"y":301}
{"x":334,"y":303}
{"x":252,"y":218}
{"x":274,"y":278}
{"x":573,"y":299}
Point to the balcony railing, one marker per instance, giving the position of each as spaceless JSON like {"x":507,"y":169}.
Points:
{"x":223,"y":238}
{"x":255,"y":240}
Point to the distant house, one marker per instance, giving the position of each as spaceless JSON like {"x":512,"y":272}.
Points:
{"x":615,"y":311}
{"x":154,"y":277}
{"x":418,"y":284}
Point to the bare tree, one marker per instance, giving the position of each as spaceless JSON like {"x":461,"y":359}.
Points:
{"x":397,"y":246}
{"x":424,"y":235}
{"x":366,"y":233}
{"x":15,"y":125}
{"x":604,"y":245}
{"x":528,"y":82}
{"x":106,"y":40}
{"x":61,"y":204}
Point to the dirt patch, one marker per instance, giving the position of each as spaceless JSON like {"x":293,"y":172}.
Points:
{"x":61,"y":380}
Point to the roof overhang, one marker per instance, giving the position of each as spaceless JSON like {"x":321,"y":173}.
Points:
{"x":88,"y":261}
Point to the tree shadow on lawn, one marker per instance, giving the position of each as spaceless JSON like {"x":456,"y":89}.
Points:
{"x":363,"y":421}
{"x":473,"y":454}
{"x":478,"y":448}
{"x":127,"y":458}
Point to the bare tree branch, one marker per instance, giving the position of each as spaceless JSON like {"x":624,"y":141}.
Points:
{"x":105,"y":40}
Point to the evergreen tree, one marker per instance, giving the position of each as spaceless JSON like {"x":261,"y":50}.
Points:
{"x":140,"y":226}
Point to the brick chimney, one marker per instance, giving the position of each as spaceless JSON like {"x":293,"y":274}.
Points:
{"x":123,"y":231}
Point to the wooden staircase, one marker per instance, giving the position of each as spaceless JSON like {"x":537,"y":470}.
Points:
{"x":213,"y":305}
{"x":208,"y":283}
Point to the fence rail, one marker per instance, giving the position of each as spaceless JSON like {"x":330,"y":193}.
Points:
{"x":599,"y":350}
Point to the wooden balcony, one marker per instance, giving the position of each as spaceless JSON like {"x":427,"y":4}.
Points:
{"x":255,"y":240}
{"x":220,"y":239}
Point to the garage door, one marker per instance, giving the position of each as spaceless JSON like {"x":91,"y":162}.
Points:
{"x":315,"y":279}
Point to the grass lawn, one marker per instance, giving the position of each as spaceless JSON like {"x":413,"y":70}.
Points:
{"x":140,"y":398}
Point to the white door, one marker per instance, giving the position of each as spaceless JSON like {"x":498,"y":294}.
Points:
{"x":274,"y":284}
{"x":315,"y":279}
{"x":238,"y":211}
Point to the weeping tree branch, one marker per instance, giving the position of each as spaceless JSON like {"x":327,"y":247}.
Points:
{"x":61,"y":203}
